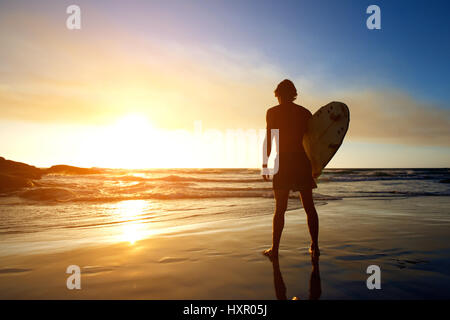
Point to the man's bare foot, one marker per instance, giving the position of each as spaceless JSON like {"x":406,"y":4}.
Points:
{"x":314,"y":251}
{"x":271,"y":254}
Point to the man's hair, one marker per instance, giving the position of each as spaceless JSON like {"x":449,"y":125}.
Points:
{"x":286,"y":90}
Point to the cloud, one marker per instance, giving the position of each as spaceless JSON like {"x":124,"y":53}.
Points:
{"x":60,"y":77}
{"x":52,"y":75}
{"x":390,"y":116}
{"x":398,"y":118}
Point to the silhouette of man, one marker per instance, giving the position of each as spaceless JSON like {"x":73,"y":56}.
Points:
{"x":294,"y":168}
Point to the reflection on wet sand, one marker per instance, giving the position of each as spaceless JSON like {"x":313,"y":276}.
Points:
{"x":315,"y":288}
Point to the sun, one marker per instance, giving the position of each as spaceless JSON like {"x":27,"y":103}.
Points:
{"x":132,"y":123}
{"x":127,"y":141}
{"x":132,"y":142}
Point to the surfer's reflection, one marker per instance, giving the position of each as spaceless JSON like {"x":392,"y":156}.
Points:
{"x":315,"y":288}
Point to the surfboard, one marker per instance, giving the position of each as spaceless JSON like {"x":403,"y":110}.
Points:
{"x":325,"y":133}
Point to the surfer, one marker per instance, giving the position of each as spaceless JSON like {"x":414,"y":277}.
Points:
{"x":294,"y":169}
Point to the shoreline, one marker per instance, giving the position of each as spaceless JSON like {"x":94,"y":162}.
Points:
{"x":409,"y":247}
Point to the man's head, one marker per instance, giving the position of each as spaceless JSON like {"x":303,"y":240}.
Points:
{"x":286,"y":91}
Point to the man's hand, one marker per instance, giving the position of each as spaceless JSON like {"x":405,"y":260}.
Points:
{"x":316,"y":174}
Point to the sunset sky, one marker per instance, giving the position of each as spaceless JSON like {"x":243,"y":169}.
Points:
{"x":142,"y":83}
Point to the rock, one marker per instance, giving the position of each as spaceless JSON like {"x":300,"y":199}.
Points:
{"x":64,"y":169}
{"x":19,"y":169}
{"x":17,"y":175}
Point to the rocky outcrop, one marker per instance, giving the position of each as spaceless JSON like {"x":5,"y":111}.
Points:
{"x":19,"y":169}
{"x":16,"y":175}
{"x":64,"y":169}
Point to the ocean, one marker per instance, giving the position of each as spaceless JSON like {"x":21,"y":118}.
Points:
{"x":67,"y":210}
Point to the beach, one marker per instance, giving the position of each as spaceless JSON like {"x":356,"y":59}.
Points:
{"x":221,"y":258}
{"x":142,"y":144}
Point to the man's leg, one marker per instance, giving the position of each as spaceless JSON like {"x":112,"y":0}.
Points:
{"x":313,"y":220}
{"x":281,"y":198}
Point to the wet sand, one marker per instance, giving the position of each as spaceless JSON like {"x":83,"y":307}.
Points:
{"x":407,"y":238}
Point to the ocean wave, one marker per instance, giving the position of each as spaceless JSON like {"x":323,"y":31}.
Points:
{"x":371,"y":174}
{"x":65,"y":195}
{"x":252,"y":175}
{"x":170,"y":178}
{"x":379,"y":177}
{"x":139,"y":185}
{"x":393,"y":194}
{"x":194,"y":179}
{"x":47,"y":194}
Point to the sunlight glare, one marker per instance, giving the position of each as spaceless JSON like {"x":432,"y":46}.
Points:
{"x":130,"y":211}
